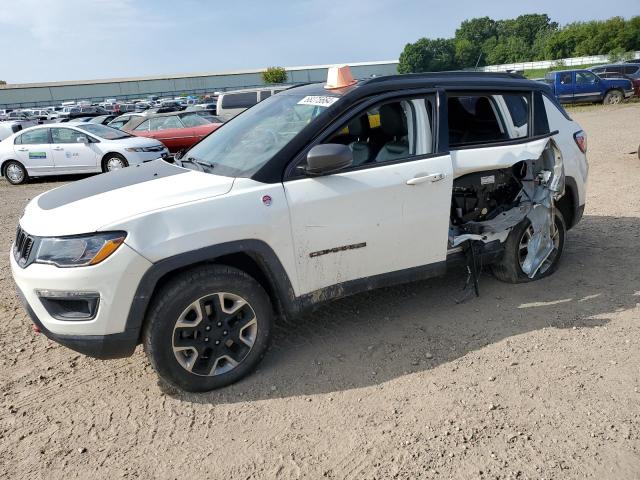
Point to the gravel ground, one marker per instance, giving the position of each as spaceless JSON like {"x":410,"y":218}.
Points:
{"x":537,"y":381}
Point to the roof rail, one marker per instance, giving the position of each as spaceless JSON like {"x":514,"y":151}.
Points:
{"x":445,"y":74}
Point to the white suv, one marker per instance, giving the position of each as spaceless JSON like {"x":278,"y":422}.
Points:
{"x":311,"y":195}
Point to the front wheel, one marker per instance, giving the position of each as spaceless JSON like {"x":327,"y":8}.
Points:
{"x":114,"y":162}
{"x":510,"y":267}
{"x":613,"y":97}
{"x":208,"y":328}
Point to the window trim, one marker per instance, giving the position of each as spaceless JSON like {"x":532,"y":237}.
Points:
{"x":291,"y":173}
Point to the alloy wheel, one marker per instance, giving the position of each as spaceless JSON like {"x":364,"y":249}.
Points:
{"x":14,"y":173}
{"x":523,"y":247}
{"x":214,"y":334}
{"x":115,"y":163}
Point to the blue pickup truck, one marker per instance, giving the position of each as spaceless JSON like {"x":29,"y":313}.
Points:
{"x":577,"y":86}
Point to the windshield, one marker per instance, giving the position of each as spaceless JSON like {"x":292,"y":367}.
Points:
{"x":241,"y":147}
{"x":103,"y":131}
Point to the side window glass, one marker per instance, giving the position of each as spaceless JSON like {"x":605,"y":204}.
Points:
{"x":65,"y":135}
{"x":583,"y":78}
{"x":565,"y":79}
{"x":143,"y":127}
{"x":474,"y":119}
{"x":516,"y":114}
{"x":35,"y":137}
{"x":388,"y":132}
{"x":630,"y":70}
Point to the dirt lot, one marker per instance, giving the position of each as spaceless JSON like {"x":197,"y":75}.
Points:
{"x":527,"y":381}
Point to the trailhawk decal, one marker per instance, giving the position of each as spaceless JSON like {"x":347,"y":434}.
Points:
{"x":338,"y":249}
{"x":318,"y":100}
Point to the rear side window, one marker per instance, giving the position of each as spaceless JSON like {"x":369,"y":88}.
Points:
{"x":264,"y":94}
{"x":33,"y":137}
{"x":481,"y":119}
{"x":631,"y":69}
{"x":614,"y":69}
{"x":239,"y":100}
{"x":143,"y":127}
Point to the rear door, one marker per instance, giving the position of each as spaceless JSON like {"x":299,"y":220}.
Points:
{"x":33,"y":150}
{"x":70,"y":155}
{"x":565,"y":86}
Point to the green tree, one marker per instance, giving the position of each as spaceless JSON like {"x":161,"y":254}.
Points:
{"x":2,"y":82}
{"x":427,"y":55}
{"x":274,"y":75}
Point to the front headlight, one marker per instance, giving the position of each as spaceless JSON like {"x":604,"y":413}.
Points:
{"x":78,"y":251}
{"x":135,"y":149}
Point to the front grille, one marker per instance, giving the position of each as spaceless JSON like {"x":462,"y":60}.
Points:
{"x":22,"y":247}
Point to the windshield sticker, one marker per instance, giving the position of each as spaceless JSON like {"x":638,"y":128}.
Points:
{"x":318,"y":100}
{"x":35,"y":155}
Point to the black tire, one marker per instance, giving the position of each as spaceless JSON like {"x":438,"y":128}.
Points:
{"x":163,"y":333}
{"x":113,"y":158}
{"x":613,"y":97}
{"x":14,"y":172}
{"x":509,"y":269}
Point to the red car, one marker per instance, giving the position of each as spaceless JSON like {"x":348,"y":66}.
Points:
{"x":177,"y":130}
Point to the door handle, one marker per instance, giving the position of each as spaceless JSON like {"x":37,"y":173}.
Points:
{"x":58,"y":148}
{"x":23,"y":149}
{"x":434,"y":177}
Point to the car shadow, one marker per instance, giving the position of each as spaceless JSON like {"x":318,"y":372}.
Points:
{"x":61,"y":178}
{"x":374,"y":337}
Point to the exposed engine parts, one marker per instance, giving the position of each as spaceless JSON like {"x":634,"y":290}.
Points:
{"x":481,"y":196}
{"x":486,"y":205}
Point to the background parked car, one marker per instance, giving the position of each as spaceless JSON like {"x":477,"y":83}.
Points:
{"x":120,"y":121}
{"x":9,"y":127}
{"x":67,"y":148}
{"x":233,"y":103}
{"x":175,"y":130}
{"x":574,"y":86}
{"x":620,"y":70}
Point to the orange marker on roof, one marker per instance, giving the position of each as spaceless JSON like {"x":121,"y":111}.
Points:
{"x":339,"y":77}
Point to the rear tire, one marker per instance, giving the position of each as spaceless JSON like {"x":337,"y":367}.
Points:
{"x":613,"y":97}
{"x":114,"y":161}
{"x":207,"y":328}
{"x":509,"y":268}
{"x":15,"y":173}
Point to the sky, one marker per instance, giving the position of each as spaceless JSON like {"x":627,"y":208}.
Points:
{"x":53,"y":40}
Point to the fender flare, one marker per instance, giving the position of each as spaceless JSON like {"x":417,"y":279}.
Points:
{"x":258,"y":250}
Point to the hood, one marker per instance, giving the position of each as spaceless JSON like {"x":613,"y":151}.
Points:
{"x":132,"y":142}
{"x":91,"y":204}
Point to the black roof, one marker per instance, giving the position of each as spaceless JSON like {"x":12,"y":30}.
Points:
{"x":462,"y":79}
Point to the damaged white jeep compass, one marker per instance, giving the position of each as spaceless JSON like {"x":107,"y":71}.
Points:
{"x":318,"y":192}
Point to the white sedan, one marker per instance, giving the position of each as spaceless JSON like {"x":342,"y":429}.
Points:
{"x":63,"y":148}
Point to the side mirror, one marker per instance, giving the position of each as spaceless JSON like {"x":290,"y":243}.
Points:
{"x":82,"y":140}
{"x":328,"y":158}
{"x":179,"y":154}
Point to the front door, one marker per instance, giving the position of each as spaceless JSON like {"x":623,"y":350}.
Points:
{"x":587,"y":88}
{"x":33,"y":150}
{"x":70,"y":155}
{"x":387,"y":213}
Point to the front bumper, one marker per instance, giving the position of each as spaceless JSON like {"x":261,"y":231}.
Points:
{"x":115,"y":279}
{"x":629,"y":93}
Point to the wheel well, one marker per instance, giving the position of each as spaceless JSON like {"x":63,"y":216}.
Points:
{"x":242,"y":261}
{"x":567,"y":206}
